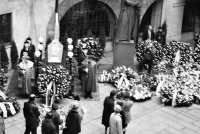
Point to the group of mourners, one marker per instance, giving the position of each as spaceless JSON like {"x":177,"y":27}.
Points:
{"x":50,"y":124}
{"x":116,"y":113}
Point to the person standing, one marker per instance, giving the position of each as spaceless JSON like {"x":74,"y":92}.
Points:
{"x":108,"y":109}
{"x":48,"y":126}
{"x":149,"y":33}
{"x":115,"y":124}
{"x":31,"y":114}
{"x":56,"y":117}
{"x":127,"y":103}
{"x":122,"y":114}
{"x":31,"y":48}
{"x":73,"y":121}
{"x":159,"y":36}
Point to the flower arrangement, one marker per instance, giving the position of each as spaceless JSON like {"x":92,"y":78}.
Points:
{"x":172,"y":47}
{"x":142,"y":47}
{"x":74,"y":65}
{"x":96,"y":49}
{"x":59,"y":75}
{"x":3,"y":79}
{"x":141,"y":92}
{"x":11,"y":105}
{"x":104,"y":77}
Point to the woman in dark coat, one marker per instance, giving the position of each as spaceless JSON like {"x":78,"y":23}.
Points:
{"x":73,"y":121}
{"x":48,"y":126}
{"x":108,"y":109}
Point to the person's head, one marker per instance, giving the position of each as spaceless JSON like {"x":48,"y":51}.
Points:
{"x":150,"y":28}
{"x":29,"y":40}
{"x":77,"y":98}
{"x":117,"y":108}
{"x":127,"y":95}
{"x":160,"y":29}
{"x":75,"y":105}
{"x":32,"y":97}
{"x":26,"y":44}
{"x":55,"y":106}
{"x":113,"y":93}
{"x":49,"y":115}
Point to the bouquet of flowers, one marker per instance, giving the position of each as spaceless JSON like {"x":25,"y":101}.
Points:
{"x":141,"y":92}
{"x":3,"y":79}
{"x":94,"y":47}
{"x":59,"y":75}
{"x":161,"y":67}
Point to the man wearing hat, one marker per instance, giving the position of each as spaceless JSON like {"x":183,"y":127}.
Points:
{"x":116,"y":121}
{"x":56,"y":117}
{"x":31,"y":114}
{"x":73,"y":121}
{"x":159,"y":36}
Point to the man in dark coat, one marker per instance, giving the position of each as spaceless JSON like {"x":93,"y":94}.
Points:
{"x":73,"y":121}
{"x":108,"y":109}
{"x":148,"y":34}
{"x":159,"y":36}
{"x":31,"y":114}
{"x":48,"y":126}
{"x":31,"y":48}
{"x":56,"y":117}
{"x":148,"y":59}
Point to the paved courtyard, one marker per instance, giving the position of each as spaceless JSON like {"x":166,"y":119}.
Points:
{"x":149,"y":117}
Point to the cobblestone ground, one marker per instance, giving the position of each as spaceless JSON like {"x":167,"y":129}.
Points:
{"x":149,"y":117}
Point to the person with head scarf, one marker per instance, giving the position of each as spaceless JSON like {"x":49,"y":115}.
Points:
{"x":73,"y":121}
{"x":115,"y":124}
{"x":48,"y":126}
{"x":56,"y":117}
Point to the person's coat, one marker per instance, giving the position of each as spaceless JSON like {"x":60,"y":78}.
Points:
{"x":127,"y":107}
{"x":31,"y":114}
{"x":48,"y":127}
{"x":73,"y":122}
{"x":56,"y":120}
{"x":108,"y":110}
{"x":115,"y":124}
{"x":145,"y":35}
{"x":122,"y":114}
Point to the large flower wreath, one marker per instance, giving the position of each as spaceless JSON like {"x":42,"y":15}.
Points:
{"x":142,"y":46}
{"x":94,"y":46}
{"x":59,"y":75}
{"x":172,"y":47}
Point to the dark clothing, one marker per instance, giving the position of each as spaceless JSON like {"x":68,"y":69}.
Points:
{"x":146,"y":36}
{"x":123,"y":119}
{"x":148,"y":59}
{"x":159,"y":37}
{"x":31,"y":114}
{"x":30,"y":129}
{"x":73,"y":122}
{"x":108,"y":110}
{"x":30,"y":54}
{"x":48,"y":127}
{"x":56,"y":120}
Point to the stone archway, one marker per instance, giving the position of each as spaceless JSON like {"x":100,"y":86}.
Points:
{"x":65,"y":5}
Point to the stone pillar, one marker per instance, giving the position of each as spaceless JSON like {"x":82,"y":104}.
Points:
{"x":173,"y":14}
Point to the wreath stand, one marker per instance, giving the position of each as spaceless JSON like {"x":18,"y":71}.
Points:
{"x":49,"y":87}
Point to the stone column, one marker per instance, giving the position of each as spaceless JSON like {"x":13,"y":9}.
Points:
{"x":173,"y":14}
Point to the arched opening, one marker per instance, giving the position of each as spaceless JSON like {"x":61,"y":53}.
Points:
{"x":88,"y":15}
{"x":188,"y":18}
{"x":152,"y":17}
